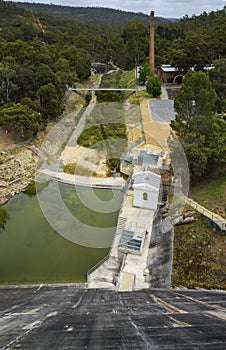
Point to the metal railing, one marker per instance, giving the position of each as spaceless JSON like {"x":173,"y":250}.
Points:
{"x":95,"y":267}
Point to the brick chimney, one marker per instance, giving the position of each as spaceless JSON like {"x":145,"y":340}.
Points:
{"x":152,"y":44}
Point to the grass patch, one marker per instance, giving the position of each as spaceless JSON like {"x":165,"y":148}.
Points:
{"x":70,"y":168}
{"x":199,"y":258}
{"x":90,"y":136}
{"x":116,"y":79}
{"x":133,"y":99}
{"x":74,"y":169}
{"x":211,"y":193}
{"x":98,"y":133}
{"x":143,"y":93}
{"x":127,"y":80}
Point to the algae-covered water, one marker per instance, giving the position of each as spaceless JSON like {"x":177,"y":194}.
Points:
{"x":31,"y":251}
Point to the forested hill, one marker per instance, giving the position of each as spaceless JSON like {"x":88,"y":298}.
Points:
{"x":117,"y":19}
{"x":42,"y":54}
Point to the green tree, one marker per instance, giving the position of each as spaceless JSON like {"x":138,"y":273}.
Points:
{"x":200,"y":132}
{"x":25,"y":81}
{"x":7,"y":86}
{"x":153,"y":86}
{"x":44,"y":75}
{"x":218,"y":81}
{"x":49,"y":101}
{"x":136,"y":39}
{"x":79,"y":61}
{"x":196,"y":97}
{"x":192,"y":51}
{"x":20,"y":119}
{"x":144,"y":73}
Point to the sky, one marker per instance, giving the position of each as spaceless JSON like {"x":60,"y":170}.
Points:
{"x":162,"y":8}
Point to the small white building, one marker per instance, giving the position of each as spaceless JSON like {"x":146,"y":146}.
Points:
{"x":146,"y":190}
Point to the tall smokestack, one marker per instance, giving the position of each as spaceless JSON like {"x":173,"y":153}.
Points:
{"x":152,"y":44}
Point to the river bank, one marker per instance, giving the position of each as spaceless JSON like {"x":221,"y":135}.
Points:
{"x":17,"y":171}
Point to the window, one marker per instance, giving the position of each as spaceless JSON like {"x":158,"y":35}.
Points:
{"x":145,"y":196}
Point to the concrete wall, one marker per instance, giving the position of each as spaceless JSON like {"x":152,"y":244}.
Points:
{"x":160,"y":256}
{"x":150,"y":203}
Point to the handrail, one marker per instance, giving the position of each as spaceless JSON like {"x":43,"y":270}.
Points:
{"x":98,"y":264}
{"x":95,"y":267}
{"x":102,"y":89}
{"x":217,"y":219}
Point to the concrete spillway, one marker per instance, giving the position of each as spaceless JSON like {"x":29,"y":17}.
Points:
{"x":66,"y":317}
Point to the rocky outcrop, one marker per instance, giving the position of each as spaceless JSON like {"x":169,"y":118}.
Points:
{"x":17,"y":169}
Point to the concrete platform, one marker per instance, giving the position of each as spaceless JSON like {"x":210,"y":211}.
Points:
{"x":83,"y":181}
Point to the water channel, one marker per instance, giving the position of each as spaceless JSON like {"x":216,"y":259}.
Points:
{"x":31,"y":251}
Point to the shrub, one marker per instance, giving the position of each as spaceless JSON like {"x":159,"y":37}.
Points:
{"x":154,"y":86}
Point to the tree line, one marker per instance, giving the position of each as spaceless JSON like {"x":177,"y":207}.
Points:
{"x":199,"y":129}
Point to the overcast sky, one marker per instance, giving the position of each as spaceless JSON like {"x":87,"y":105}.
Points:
{"x":163,"y":8}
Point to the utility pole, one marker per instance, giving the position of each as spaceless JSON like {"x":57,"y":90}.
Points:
{"x":152,"y":44}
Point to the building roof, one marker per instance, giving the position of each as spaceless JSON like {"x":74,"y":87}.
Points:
{"x":148,"y":158}
{"x":145,"y":187}
{"x":168,"y":68}
{"x":147,"y":179}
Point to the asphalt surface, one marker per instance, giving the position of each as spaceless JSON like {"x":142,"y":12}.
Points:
{"x":74,"y":318}
{"x":162,"y":110}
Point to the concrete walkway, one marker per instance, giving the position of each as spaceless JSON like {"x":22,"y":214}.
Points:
{"x":76,"y":180}
{"x":126,"y":273}
{"x":164,"y":95}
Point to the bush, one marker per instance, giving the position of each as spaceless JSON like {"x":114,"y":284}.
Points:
{"x":154,"y":86}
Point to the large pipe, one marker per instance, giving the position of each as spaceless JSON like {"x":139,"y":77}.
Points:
{"x":152,"y":44}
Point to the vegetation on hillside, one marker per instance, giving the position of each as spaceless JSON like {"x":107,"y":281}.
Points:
{"x":106,"y":132}
{"x":199,"y":257}
{"x":210,"y":192}
{"x":117,"y":79}
{"x":34,"y":74}
{"x":200,"y":131}
{"x":107,"y":17}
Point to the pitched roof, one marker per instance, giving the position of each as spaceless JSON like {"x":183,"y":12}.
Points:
{"x":147,"y":179}
{"x":168,"y":68}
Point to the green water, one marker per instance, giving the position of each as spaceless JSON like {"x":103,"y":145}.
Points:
{"x":31,"y":251}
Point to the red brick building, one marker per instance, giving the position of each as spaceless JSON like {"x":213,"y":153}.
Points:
{"x":169,"y":75}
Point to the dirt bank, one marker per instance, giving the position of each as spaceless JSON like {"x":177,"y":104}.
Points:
{"x":18,"y":161}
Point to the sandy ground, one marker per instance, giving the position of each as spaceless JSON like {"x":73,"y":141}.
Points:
{"x":85,"y":161}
